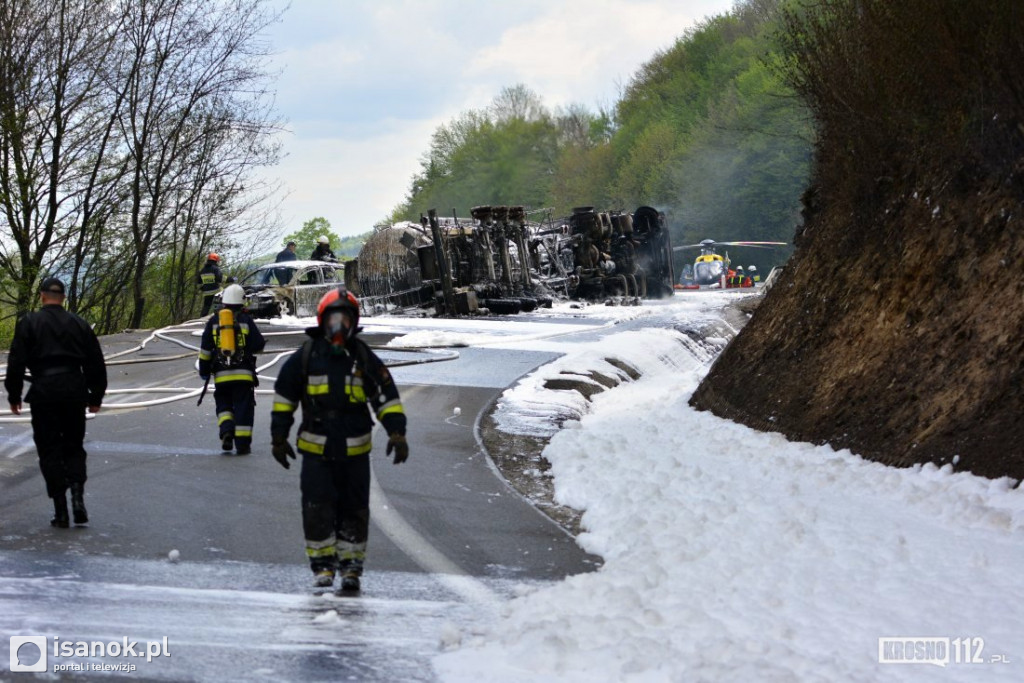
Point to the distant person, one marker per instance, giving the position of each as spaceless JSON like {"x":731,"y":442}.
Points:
{"x":68,"y":374}
{"x":233,"y":367}
{"x":323,"y":252}
{"x":754,"y":275}
{"x":287,"y":254}
{"x":209,"y":280}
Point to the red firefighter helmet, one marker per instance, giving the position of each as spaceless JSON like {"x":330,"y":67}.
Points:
{"x":213,"y":257}
{"x":340,"y":300}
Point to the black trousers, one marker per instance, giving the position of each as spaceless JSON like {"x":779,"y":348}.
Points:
{"x":336,"y":510}
{"x":207,"y":304}
{"x":58,"y":429}
{"x":236,"y":410}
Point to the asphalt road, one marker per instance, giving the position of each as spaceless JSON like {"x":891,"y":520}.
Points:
{"x":449,"y":540}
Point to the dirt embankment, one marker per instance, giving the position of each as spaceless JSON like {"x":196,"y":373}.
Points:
{"x":897,"y":329}
{"x":898,"y":334}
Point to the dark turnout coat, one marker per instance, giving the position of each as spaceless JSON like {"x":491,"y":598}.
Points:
{"x":62,"y":354}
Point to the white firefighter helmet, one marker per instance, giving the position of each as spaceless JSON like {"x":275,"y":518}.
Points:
{"x":752,"y":269}
{"x":323,"y":240}
{"x":739,"y":268}
{"x":234,"y":295}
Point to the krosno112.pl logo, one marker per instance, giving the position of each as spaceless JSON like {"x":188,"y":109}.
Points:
{"x":935,"y":651}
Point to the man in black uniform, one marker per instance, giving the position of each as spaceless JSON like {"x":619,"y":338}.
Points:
{"x":336,"y":377}
{"x":234,"y":370}
{"x":209,"y":280}
{"x":287,"y":254}
{"x":63,"y":355}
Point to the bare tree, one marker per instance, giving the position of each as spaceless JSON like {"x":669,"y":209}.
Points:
{"x":52,"y":57}
{"x":190,"y":86}
{"x":129,"y":133}
{"x":518,"y":102}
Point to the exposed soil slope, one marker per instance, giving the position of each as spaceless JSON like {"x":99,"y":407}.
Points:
{"x":898,"y":334}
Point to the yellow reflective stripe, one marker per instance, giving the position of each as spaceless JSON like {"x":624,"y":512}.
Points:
{"x":283,"y":405}
{"x":351,"y":551}
{"x":320,"y":552}
{"x":205,"y":355}
{"x":355,"y":391}
{"x":234,"y":375}
{"x":243,"y":431}
{"x":390,"y":407}
{"x":208,"y":278}
{"x":316,"y":385}
{"x":357,"y":445}
{"x":319,"y":545}
{"x":314,"y":443}
{"x":224,"y":417}
{"x":310,"y":447}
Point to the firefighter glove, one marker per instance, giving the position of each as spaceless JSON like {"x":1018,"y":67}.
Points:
{"x":282,"y":450}
{"x":398,"y":444}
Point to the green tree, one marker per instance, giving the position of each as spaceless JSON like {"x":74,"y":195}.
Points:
{"x":349,"y":247}
{"x":307,"y":236}
{"x":705,"y":131}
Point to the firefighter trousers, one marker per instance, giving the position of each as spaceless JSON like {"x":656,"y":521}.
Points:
{"x":336,"y":510}
{"x":58,"y":429}
{"x":207,"y":304}
{"x":236,"y":408}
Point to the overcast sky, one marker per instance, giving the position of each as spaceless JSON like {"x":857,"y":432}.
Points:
{"x":365,"y":83}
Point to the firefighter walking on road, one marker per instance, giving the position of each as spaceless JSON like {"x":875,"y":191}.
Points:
{"x":228,"y":351}
{"x":337,"y":379}
{"x":68,"y":375}
{"x":209,"y":280}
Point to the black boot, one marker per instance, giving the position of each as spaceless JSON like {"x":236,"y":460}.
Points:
{"x":78,"y":504}
{"x":60,"y":511}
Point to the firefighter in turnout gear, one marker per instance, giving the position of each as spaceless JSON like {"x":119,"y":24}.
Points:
{"x":337,"y":379}
{"x":322,"y":251}
{"x":68,"y":374}
{"x":209,"y":280}
{"x":228,"y":351}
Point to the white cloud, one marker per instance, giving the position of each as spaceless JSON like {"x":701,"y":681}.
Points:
{"x":365,"y":84}
{"x":577,"y":51}
{"x":352,"y":182}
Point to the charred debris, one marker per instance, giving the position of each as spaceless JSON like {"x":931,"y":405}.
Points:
{"x":499,"y":262}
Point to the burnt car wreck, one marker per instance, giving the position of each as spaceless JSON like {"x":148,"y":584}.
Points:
{"x":499,"y":262}
{"x":291,"y":288}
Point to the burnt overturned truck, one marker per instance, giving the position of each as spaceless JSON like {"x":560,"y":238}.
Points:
{"x":620,"y":254}
{"x":499,"y":262}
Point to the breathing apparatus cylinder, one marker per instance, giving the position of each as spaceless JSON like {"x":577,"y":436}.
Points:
{"x":226,"y":318}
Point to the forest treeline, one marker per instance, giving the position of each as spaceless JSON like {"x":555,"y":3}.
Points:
{"x":706,"y":131}
{"x":129,"y":133}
